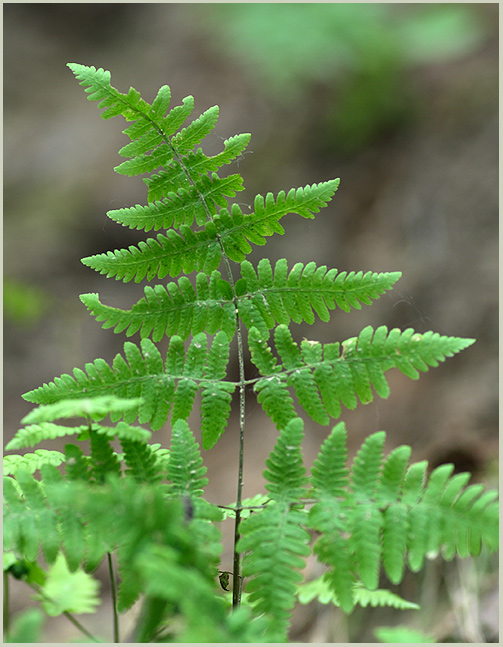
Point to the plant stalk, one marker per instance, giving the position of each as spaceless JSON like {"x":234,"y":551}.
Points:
{"x":114,"y":598}
{"x":236,"y":585}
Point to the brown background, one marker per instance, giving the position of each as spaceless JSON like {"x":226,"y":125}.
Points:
{"x":419,"y":195}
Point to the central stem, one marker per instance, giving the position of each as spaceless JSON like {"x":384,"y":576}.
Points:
{"x":236,"y":582}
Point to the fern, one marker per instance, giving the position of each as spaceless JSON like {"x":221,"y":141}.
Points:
{"x":114,"y":494}
{"x":323,"y":376}
{"x":368,"y":517}
{"x":274,"y":541}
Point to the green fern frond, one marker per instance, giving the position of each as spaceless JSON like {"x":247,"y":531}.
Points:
{"x":329,"y":474}
{"x":201,"y":250}
{"x":160,"y":388}
{"x":324,"y":376}
{"x":178,"y":309}
{"x":285,"y":473}
{"x":31,"y":462}
{"x":104,"y":460}
{"x":95,"y":408}
{"x":386,"y":511}
{"x":171,"y":254}
{"x":33,"y":434}
{"x":281,"y":296}
{"x":274,"y":540}
{"x":185,"y":470}
{"x":141,"y":462}
{"x":188,"y":204}
{"x":131,"y":106}
{"x":77,"y":464}
{"x":237,"y":230}
{"x":196,"y":164}
{"x":319,"y":589}
{"x":46,"y":521}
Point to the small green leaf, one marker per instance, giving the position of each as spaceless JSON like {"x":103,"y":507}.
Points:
{"x":65,"y":591}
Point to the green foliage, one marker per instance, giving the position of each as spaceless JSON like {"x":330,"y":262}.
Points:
{"x":274,"y":542}
{"x":115,"y":495}
{"x":320,"y":590}
{"x":65,"y":591}
{"x":367,"y":517}
{"x":368,"y":51}
{"x":402,"y":634}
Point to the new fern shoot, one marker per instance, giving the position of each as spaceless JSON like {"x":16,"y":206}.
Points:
{"x":140,"y":506}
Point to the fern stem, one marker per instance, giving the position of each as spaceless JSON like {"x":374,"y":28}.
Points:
{"x":114,"y":597}
{"x":236,"y":580}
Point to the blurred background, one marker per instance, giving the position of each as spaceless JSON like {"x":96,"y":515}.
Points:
{"x":398,"y":100}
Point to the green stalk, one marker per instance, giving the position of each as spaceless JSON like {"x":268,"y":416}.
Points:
{"x":236,"y":586}
{"x":114,"y":597}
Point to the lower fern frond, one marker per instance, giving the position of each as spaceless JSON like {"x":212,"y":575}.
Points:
{"x":386,"y":511}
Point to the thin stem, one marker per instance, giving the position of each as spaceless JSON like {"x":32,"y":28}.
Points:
{"x":236,"y":587}
{"x":114,"y":597}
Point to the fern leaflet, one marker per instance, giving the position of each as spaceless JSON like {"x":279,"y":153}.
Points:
{"x":323,"y":376}
{"x":386,"y":511}
{"x":274,"y":539}
{"x":157,"y":388}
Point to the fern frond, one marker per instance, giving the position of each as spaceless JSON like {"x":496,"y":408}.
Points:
{"x":319,"y":589}
{"x":33,"y":434}
{"x":196,"y":164}
{"x":31,"y":462}
{"x":237,"y":230}
{"x":178,"y":309}
{"x":274,"y":539}
{"x":281,"y":296}
{"x":158,"y":388}
{"x":141,"y":461}
{"x":171,"y":254}
{"x":95,"y":408}
{"x":185,"y":469}
{"x":180,"y":207}
{"x":329,"y":474}
{"x":285,"y":473}
{"x":325,"y":376}
{"x":104,"y":460}
{"x":201,"y":249}
{"x":386,"y":511}
{"x":77,"y":464}
{"x":46,"y":521}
